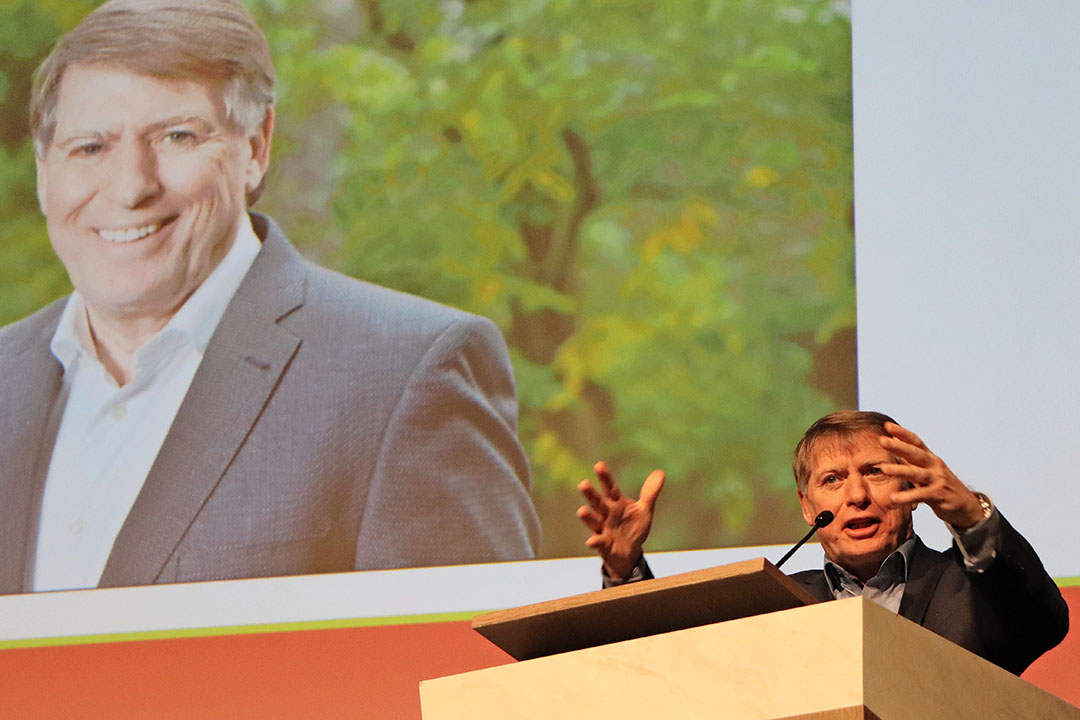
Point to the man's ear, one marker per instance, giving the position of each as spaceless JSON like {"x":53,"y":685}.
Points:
{"x":807,"y":512}
{"x":39,"y":166}
{"x":260,"y":141}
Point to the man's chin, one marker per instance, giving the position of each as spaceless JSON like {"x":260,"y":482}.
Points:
{"x":857,"y":556}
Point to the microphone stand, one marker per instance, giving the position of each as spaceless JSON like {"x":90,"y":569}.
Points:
{"x":824,"y":518}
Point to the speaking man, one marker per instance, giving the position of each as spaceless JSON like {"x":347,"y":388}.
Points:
{"x":207,"y":404}
{"x":989,"y":593}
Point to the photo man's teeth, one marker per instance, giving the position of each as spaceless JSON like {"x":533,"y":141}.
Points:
{"x":128,"y":234}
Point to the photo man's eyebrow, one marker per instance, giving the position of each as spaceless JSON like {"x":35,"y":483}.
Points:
{"x":79,"y":136}
{"x":176,"y":120}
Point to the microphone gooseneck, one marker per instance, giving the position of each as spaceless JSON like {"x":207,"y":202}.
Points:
{"x":824,"y":518}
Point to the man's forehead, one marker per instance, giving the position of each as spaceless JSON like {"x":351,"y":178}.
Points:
{"x":88,"y":90}
{"x":833,"y":450}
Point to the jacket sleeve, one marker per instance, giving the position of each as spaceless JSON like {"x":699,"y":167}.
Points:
{"x":451,"y":483}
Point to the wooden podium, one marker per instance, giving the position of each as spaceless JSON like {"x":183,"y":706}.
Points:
{"x":847,"y":659}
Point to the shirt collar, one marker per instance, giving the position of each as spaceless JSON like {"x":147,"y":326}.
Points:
{"x":196,"y":319}
{"x":72,"y":335}
{"x":894,"y":570}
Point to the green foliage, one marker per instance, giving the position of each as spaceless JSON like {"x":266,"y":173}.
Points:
{"x":653,"y":200}
{"x":30,"y":274}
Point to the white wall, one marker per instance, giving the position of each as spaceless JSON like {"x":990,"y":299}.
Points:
{"x":967,"y":196}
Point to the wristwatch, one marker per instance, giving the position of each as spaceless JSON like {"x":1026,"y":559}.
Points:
{"x":986,"y":503}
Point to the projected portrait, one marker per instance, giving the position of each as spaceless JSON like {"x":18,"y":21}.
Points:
{"x":207,"y":404}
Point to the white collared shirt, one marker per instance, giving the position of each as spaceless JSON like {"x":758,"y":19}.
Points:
{"x":977,"y":545}
{"x":109,"y":436}
{"x":886,"y":588}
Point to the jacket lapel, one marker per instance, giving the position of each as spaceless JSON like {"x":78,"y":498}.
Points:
{"x":922,"y":578}
{"x":815,"y":582}
{"x":32,"y":381}
{"x":244,"y":362}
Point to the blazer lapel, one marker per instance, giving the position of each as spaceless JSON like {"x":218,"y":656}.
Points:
{"x":815,"y":583}
{"x":244,"y":362}
{"x":32,"y":381}
{"x":922,"y":578}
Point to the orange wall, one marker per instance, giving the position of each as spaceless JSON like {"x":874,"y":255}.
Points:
{"x":340,"y":673}
{"x":1059,"y":670}
{"x":371,"y":673}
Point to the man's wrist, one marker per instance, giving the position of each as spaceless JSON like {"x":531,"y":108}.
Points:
{"x":622,"y":573}
{"x":978,"y":543}
{"x":639,"y":571}
{"x":976,"y":512}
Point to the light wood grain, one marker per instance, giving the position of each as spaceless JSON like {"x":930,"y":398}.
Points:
{"x":843,"y":660}
{"x":640,"y":609}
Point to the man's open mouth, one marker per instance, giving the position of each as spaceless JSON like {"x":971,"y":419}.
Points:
{"x":862,"y":526}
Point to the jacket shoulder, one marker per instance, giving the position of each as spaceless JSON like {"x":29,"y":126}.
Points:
{"x":32,"y":331}
{"x":339,"y":294}
{"x":334,"y":298}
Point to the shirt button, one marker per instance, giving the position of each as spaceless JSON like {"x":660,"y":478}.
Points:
{"x":117,"y":412}
{"x":78,"y":527}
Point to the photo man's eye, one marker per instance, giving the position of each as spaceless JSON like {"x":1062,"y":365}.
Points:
{"x":87,"y":149}
{"x":180,"y":137}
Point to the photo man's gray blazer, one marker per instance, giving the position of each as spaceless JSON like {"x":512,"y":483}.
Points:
{"x":332,"y":425}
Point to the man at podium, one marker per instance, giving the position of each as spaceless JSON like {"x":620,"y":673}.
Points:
{"x":988,"y":593}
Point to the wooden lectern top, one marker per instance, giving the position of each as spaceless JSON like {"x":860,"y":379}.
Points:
{"x":650,"y":607}
{"x":844,"y":660}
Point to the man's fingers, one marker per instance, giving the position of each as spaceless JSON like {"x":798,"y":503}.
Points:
{"x":908,"y":451}
{"x":914,"y":496}
{"x":899,"y":431}
{"x":595,"y":500}
{"x":592,"y":520}
{"x":651,"y":489}
{"x":902,"y":433}
{"x":917,"y":475}
{"x":607,"y":480}
{"x":598,"y":543}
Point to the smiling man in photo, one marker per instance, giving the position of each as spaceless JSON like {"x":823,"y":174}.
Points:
{"x":207,"y":404}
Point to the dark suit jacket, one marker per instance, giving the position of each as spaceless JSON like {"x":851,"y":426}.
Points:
{"x":1010,"y":614}
{"x":332,"y":425}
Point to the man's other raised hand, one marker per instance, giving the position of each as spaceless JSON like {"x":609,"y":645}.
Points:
{"x":931,"y":480}
{"x":619,"y":524}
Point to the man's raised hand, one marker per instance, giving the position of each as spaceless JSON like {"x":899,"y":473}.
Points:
{"x":932,"y":482}
{"x":619,"y":524}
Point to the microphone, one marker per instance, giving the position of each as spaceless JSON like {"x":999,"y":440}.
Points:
{"x":824,"y":518}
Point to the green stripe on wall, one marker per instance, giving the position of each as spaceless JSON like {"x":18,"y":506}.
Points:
{"x":281,"y":627}
{"x":238,"y":630}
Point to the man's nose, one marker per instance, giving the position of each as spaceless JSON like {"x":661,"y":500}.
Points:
{"x":858,"y":494}
{"x":134,"y":175}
